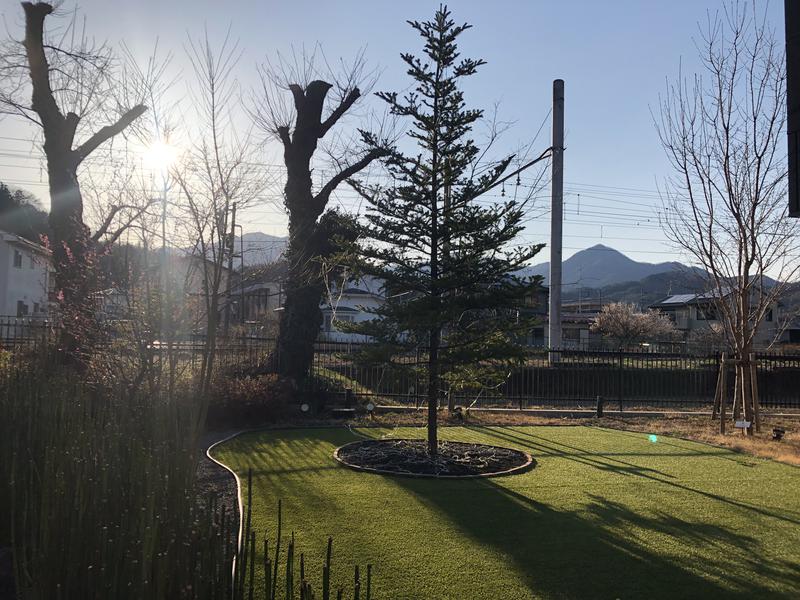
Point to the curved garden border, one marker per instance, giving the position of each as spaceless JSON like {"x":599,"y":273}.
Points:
{"x":528,"y":463}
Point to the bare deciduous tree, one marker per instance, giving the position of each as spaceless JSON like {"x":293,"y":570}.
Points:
{"x":316,"y":107}
{"x":725,"y":207}
{"x":62,"y":82}
{"x":218,"y":176}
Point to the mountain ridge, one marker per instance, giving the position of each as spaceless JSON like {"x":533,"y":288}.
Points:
{"x":599,"y":266}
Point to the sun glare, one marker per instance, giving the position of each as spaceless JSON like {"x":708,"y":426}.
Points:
{"x":160,"y":155}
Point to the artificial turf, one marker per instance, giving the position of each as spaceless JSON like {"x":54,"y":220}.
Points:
{"x":605,"y":514}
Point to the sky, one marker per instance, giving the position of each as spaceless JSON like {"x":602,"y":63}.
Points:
{"x":614,"y":56}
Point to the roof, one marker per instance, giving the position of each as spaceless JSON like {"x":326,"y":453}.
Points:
{"x":344,"y":309}
{"x":684,"y":300}
{"x":358,"y":292}
{"x":13,"y":238}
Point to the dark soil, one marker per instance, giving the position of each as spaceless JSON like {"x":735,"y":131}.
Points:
{"x":454,"y":459}
{"x":213,"y":480}
{"x":7,"y":590}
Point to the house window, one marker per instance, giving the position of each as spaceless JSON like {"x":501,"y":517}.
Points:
{"x":22,"y":308}
{"x":17,"y":259}
{"x":31,"y":262}
{"x":707,"y":313}
{"x":36,"y":308}
{"x":769,"y":316}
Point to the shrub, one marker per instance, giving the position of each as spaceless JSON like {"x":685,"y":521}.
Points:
{"x":249,"y":400}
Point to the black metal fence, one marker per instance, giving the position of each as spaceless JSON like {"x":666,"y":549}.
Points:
{"x":548,"y":378}
{"x":566,"y":378}
{"x":16,"y":331}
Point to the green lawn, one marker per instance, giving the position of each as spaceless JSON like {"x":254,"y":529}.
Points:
{"x":605,"y":514}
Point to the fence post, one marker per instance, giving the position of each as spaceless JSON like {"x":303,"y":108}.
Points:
{"x":619,"y":379}
{"x":599,"y":406}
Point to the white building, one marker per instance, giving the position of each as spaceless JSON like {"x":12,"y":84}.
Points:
{"x":698,"y":312}
{"x":25,"y":277}
{"x":350,"y":304}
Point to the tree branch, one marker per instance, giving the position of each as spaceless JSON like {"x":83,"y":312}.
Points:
{"x":299,"y":96}
{"x":321,"y":199}
{"x":124,"y":227}
{"x":343,"y":107}
{"x":107,"y":132}
{"x":115,"y":209}
{"x":283,"y":134}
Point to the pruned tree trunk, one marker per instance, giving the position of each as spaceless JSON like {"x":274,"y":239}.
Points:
{"x":73,"y":256}
{"x":308,"y":240}
{"x":72,"y":245}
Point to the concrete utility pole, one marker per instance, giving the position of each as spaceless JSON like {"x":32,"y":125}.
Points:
{"x":556,"y":219}
{"x":792,"y":16}
{"x":241,"y":274}
{"x":230,"y":245}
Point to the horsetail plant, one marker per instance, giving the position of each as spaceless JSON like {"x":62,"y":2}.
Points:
{"x":102,"y":504}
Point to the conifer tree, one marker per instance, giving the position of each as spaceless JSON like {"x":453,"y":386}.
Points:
{"x":446,"y":255}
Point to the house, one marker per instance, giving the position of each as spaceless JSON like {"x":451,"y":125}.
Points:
{"x":112,"y":305}
{"x":697,"y":312}
{"x":176,"y":279}
{"x":258,"y":293}
{"x":257,"y":301}
{"x":26,"y":277}
{"x":576,"y":321}
{"x":351,"y":303}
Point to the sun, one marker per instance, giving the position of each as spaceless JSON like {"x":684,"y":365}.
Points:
{"x":160,"y":155}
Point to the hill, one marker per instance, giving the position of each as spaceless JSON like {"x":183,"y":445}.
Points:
{"x":645,"y":291}
{"x":601,"y":266}
{"x":260,"y":248}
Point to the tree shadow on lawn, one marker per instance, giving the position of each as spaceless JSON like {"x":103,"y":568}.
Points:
{"x":591,"y":554}
{"x":730,"y":454}
{"x":609,"y":462}
{"x":564,"y":554}
{"x":604,"y":550}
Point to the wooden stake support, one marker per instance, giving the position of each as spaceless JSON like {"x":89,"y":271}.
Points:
{"x":756,"y":401}
{"x":723,"y":391}
{"x":717,"y":389}
{"x":741,"y":404}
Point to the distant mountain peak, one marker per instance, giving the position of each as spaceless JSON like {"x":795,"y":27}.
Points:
{"x":599,"y":266}
{"x":260,"y":248}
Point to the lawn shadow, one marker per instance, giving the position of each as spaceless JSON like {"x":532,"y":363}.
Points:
{"x":605,"y":550}
{"x":610,"y":462}
{"x":564,"y":554}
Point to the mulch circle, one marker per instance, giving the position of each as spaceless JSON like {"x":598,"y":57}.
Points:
{"x":455,"y":460}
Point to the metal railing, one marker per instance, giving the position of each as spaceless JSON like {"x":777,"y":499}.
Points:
{"x":555,"y":378}
{"x":564,"y":378}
